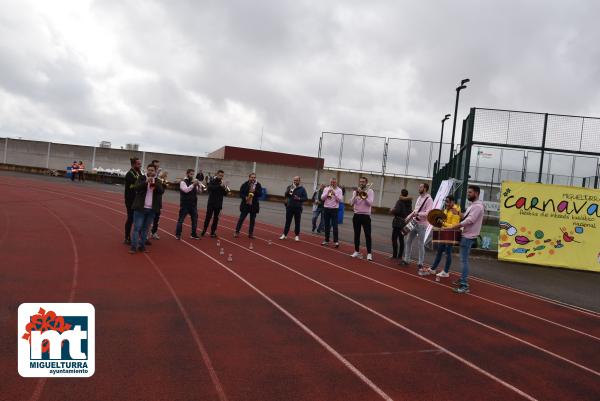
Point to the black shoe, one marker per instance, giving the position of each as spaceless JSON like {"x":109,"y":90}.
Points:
{"x":202,"y":233}
{"x":127,"y":241}
{"x":250,"y":236}
{"x":194,"y":237}
{"x":178,"y":237}
{"x":213,"y":235}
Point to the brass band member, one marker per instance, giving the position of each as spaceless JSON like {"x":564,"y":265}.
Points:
{"x":452,"y":211}
{"x":147,"y":190}
{"x":295,"y":195}
{"x":400,"y":211}
{"x":332,"y":196}
{"x":130,"y":180}
{"x":189,"y":188}
{"x":362,"y":199}
{"x":162,"y":176}
{"x":250,"y":191}
{"x":423,"y":205}
{"x":217,"y":189}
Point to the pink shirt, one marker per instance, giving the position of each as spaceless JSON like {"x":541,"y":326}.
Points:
{"x":421,"y":216}
{"x":473,"y":219}
{"x":148,"y":199}
{"x":363,"y":206}
{"x":333,"y":202}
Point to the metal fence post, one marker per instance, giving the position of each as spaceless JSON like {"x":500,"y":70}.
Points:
{"x":543,"y":148}
{"x":5,"y":148}
{"x":48,"y":155}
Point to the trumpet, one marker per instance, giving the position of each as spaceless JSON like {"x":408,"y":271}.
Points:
{"x":250,"y":196}
{"x":331,"y":193}
{"x":363,"y":191}
{"x":292,"y":188}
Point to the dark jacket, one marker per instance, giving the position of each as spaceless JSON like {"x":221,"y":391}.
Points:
{"x":215,"y":193}
{"x":190,"y":198}
{"x":141,"y":187}
{"x":244,"y":191}
{"x":130,"y":180}
{"x":292,"y":203}
{"x":402,"y":209}
{"x":316,"y":198}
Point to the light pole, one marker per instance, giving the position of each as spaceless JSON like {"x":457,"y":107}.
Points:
{"x":461,"y":87}
{"x":439,"y":161}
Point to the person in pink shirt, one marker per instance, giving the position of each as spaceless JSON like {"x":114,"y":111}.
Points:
{"x":332,"y":196}
{"x":362,"y":199}
{"x":423,"y":205}
{"x":471,"y":226}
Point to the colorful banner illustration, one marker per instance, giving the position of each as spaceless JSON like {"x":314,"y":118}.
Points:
{"x":550,"y":225}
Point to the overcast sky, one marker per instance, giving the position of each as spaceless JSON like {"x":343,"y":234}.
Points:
{"x":191,"y":76}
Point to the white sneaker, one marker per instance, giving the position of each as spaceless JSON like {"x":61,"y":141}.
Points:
{"x":337,"y":244}
{"x":443,"y":274}
{"x":155,"y":236}
{"x":356,"y":255}
{"x":325,"y":243}
{"x":282,"y":236}
{"x":296,"y":238}
{"x":369,"y":257}
{"x":425,"y":272}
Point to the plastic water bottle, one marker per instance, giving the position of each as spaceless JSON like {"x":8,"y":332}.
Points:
{"x":222,"y":251}
{"x":218,"y":242}
{"x":230,"y":258}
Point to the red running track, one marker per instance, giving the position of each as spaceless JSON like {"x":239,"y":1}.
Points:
{"x":282,"y":321}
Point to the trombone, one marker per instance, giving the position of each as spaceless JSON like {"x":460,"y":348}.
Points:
{"x":363,"y":192}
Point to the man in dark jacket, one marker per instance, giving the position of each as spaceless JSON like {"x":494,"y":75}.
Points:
{"x":217,"y":189}
{"x":295,"y":195}
{"x":130,"y":180}
{"x":250,"y":191}
{"x":188,"y":203}
{"x":402,"y":209}
{"x":148,"y":190}
{"x":162,"y":176}
{"x":318,"y":209}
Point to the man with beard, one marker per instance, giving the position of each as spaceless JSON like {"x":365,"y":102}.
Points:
{"x":130,"y":179}
{"x":250,"y":191}
{"x":217,"y":189}
{"x":423,"y":205}
{"x":471,"y":226}
{"x":147,"y":192}
{"x":295,"y":195}
{"x":188,"y":203}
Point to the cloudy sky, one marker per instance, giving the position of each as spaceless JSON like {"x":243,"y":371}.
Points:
{"x":191,"y":76}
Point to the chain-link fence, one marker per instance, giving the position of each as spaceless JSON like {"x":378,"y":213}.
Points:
{"x":380,"y":155}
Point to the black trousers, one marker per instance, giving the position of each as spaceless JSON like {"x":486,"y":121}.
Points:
{"x":129,"y":221}
{"x":155,"y":222}
{"x":397,"y":243}
{"x":296,"y":214}
{"x":240,"y":222}
{"x":362,"y":221}
{"x":184,"y":210}
{"x":331,"y":221}
{"x":212,"y":213}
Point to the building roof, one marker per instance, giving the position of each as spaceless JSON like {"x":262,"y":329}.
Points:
{"x":263,"y":156}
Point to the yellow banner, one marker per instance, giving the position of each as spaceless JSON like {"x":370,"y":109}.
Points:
{"x":550,"y":225}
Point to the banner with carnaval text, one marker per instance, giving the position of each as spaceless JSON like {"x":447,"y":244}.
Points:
{"x":550,"y":225}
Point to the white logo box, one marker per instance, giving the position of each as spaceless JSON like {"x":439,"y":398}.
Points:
{"x":78,"y":362}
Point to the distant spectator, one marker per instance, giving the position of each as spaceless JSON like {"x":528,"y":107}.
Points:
{"x":81,"y":171}
{"x":74,"y":168}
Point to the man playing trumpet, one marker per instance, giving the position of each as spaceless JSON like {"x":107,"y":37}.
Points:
{"x":362,"y":199}
{"x":188,"y":203}
{"x":295,"y":196}
{"x":250,"y":191}
{"x":217,"y":189}
{"x":332,"y":196}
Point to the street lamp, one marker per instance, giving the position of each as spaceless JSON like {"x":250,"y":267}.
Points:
{"x":461,"y":87}
{"x":447,"y":116}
